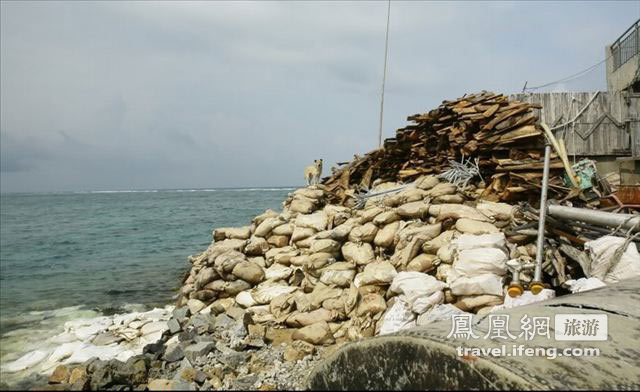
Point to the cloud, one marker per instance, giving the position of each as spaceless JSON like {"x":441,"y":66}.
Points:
{"x":121,"y":95}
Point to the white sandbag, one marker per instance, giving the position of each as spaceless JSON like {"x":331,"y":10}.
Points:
{"x":525,"y":299}
{"x":376,"y":273}
{"x":413,"y":285}
{"x":245,"y":299}
{"x":470,"y":241}
{"x":474,"y":285}
{"x":423,"y":304}
{"x":317,"y":221}
{"x":603,"y":264}
{"x":480,"y":261}
{"x":396,"y":318}
{"x":438,"y":313}
{"x":584,"y":284}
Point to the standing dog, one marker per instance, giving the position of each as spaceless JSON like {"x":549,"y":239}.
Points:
{"x":312,"y":173}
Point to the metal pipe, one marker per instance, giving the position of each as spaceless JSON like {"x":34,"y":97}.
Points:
{"x":595,"y":217}
{"x":537,"y":277}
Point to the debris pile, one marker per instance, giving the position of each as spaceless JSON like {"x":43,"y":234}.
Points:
{"x":501,"y":134}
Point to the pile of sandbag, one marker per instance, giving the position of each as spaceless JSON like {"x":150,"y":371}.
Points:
{"x":478,"y":270}
{"x":333,"y":272}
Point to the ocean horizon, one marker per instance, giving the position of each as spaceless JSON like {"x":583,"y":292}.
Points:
{"x":83,"y":254}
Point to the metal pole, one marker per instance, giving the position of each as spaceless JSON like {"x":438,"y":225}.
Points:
{"x":536,"y":285}
{"x":384,"y":74}
{"x":595,"y":217}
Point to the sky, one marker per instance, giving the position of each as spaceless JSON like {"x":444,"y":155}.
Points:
{"x":151,"y":95}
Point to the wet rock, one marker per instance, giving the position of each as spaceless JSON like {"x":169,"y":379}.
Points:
{"x":202,"y":323}
{"x":60,"y":375}
{"x":235,"y":359}
{"x":132,"y":372}
{"x":245,"y":382}
{"x":173,"y":353}
{"x":181,"y":314}
{"x":174,"y":326}
{"x":188,"y":335}
{"x":198,"y":350}
{"x":189,"y":374}
{"x":155,"y":350}
{"x":223,"y":321}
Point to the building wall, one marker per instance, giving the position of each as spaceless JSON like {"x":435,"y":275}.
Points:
{"x":623,"y":77}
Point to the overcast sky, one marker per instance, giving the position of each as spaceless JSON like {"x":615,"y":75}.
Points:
{"x":147,"y":95}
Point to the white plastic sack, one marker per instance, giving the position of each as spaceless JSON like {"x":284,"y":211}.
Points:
{"x":397,"y":317}
{"x":438,"y":313}
{"x":480,"y":261}
{"x":423,"y":304}
{"x":583,"y":284}
{"x":475,"y":285}
{"x":340,"y":278}
{"x":277,"y":272}
{"x":470,"y":241}
{"x":604,"y":267}
{"x":245,"y":299}
{"x":413,"y":285}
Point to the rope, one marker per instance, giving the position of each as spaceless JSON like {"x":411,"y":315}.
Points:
{"x":571,"y":77}
{"x":579,"y":113}
{"x":384,"y":74}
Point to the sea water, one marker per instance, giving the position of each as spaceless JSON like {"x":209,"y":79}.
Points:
{"x":85,"y":254}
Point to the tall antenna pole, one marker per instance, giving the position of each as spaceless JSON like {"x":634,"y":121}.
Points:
{"x":384,"y":75}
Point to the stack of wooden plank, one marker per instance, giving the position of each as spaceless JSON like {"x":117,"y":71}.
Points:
{"x":504,"y":135}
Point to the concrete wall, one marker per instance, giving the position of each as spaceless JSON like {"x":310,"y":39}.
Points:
{"x":623,"y":77}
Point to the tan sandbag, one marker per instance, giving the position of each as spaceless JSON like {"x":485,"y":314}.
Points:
{"x":256,"y":246}
{"x":325,"y":246}
{"x":306,"y":243}
{"x":364,"y":233}
{"x":302,"y":205}
{"x":259,"y":260}
{"x":245,"y":299}
{"x":470,"y":226}
{"x":359,"y":254}
{"x":322,"y":292}
{"x":240,"y":233}
{"x":281,"y":306}
{"x":469,"y":303}
{"x":426,"y":232}
{"x":351,"y":296}
{"x":371,"y":304}
{"x":446,"y":253}
{"x":456,"y":198}
{"x":310,"y":193}
{"x":443,"y":188}
{"x":319,"y":333}
{"x":267,"y":214}
{"x":414,"y":210}
{"x":376,"y":273}
{"x":497,"y":211}
{"x":427,"y":182}
{"x":341,"y":232}
{"x":205,"y":276}
{"x":299,"y":261}
{"x":284,"y":257}
{"x":385,"y":237}
{"x":456,"y":211}
{"x":301,"y":233}
{"x":443,"y":271}
{"x":368,"y":214}
{"x":226,"y":261}
{"x":249,"y":272}
{"x":278,"y":241}
{"x":319,"y":260}
{"x":237,"y":245}
{"x":422,"y":263}
{"x":317,"y":221}
{"x":386,"y":217}
{"x":302,"y":319}
{"x":263,"y":295}
{"x":337,"y":278}
{"x":278,"y":272}
{"x":217,"y":285}
{"x":233,"y":288}
{"x":442,"y":239}
{"x":303,"y":302}
{"x":284,"y":229}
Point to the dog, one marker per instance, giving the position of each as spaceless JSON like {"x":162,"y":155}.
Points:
{"x":313,"y":172}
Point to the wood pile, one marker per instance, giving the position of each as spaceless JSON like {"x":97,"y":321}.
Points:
{"x":504,"y":135}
